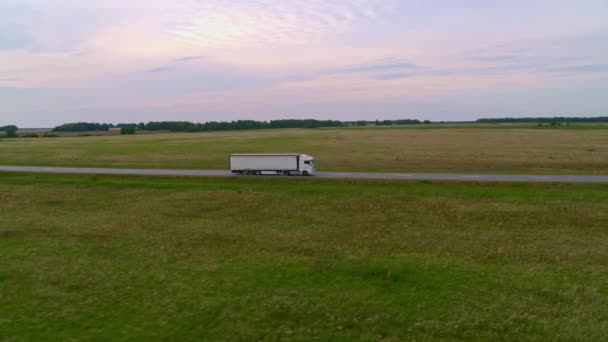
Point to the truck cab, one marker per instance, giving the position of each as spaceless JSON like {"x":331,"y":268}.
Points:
{"x":307,"y":165}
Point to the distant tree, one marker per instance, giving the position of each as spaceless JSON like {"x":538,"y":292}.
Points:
{"x":407,"y":122}
{"x":127,"y":130}
{"x":426,"y":122}
{"x":10,"y":133}
{"x":6,"y":128}
{"x":398,"y":122}
{"x":121,"y":125}
{"x":82,"y":127}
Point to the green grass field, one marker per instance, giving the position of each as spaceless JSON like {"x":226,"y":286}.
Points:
{"x":137,"y":258}
{"x":579,"y":149}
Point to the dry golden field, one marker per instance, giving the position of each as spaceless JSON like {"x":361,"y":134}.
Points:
{"x":509,"y":149}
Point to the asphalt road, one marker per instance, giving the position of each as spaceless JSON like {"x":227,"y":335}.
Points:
{"x":346,"y":175}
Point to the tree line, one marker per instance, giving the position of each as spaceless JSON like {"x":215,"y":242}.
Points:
{"x":83,"y":127}
{"x":187,"y":126}
{"x":401,"y":122}
{"x":543,"y":120}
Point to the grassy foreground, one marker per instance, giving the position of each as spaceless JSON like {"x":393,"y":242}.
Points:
{"x":91,"y":257}
{"x":499,"y":149}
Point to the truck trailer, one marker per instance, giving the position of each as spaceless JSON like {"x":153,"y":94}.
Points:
{"x":287,"y":164}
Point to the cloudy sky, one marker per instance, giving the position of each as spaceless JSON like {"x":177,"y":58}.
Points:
{"x":142,"y":60}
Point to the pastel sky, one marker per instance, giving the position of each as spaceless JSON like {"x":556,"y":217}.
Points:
{"x":143,"y":60}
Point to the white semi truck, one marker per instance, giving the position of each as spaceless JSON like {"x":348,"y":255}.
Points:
{"x":288,"y":164}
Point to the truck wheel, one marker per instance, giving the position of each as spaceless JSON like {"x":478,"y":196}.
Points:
{"x":304,"y":173}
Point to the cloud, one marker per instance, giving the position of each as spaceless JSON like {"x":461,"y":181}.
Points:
{"x":499,"y":58}
{"x":158,"y":69}
{"x":581,"y":69}
{"x":173,"y":64}
{"x":153,"y":54}
{"x":392,"y":76}
{"x":379,"y":69}
{"x":221,"y":23}
{"x":389,"y":64}
{"x":53,"y":26}
{"x":502,"y":58}
{"x":534,"y":64}
{"x":187,"y":59}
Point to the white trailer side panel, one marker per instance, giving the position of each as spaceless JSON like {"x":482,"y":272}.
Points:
{"x":264,"y":162}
